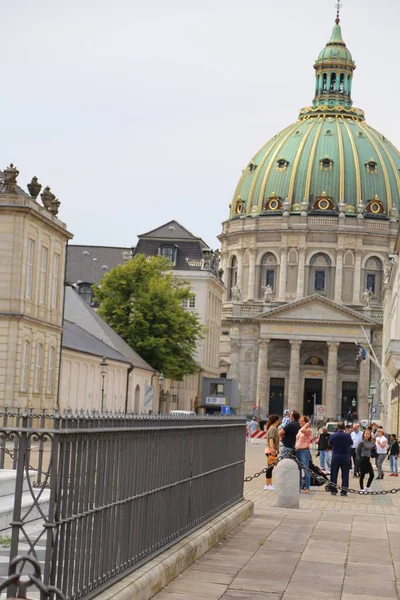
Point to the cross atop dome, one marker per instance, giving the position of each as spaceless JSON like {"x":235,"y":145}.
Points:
{"x":338,"y":6}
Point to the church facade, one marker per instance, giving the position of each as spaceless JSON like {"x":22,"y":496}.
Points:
{"x":304,"y":252}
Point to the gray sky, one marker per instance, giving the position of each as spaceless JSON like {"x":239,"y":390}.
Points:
{"x":137,"y":112}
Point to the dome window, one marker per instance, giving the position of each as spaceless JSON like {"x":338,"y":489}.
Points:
{"x":282,"y":164}
{"x":372,"y":167}
{"x":360,"y":134}
{"x":239,"y":206}
{"x":252,"y":167}
{"x":326,"y":164}
{"x":375,"y":206}
{"x":298,"y":132}
{"x":324,"y":202}
{"x":273,"y":203}
{"x":328,"y":132}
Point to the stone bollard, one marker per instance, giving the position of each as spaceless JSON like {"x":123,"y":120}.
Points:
{"x":287,"y":481}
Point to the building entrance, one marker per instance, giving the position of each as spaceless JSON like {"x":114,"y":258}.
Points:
{"x":349,"y":400}
{"x":276,"y":395}
{"x":312,"y":395}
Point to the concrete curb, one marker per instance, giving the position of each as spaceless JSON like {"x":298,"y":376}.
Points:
{"x":147,"y":581}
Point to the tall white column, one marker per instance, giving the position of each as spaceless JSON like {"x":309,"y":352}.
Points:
{"x":363,"y":389}
{"x":294,"y":400}
{"x":357,"y":279}
{"x":301,"y":274}
{"x":282,"y":276}
{"x":339,"y":276}
{"x":252,"y":276}
{"x":331,"y":381}
{"x":262,"y":376}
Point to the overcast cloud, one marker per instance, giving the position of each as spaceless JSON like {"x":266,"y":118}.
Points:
{"x":138,"y":112}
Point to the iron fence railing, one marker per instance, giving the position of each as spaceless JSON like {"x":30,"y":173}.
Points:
{"x":122,"y":488}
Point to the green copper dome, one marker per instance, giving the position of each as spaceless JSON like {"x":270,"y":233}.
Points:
{"x":329,"y":160}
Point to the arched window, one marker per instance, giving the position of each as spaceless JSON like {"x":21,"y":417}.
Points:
{"x":341,"y":84}
{"x":373,"y":276}
{"x":268,"y":272}
{"x":333,"y":82}
{"x":233,"y":274}
{"x":136,"y":407}
{"x":320,"y":274}
{"x":324,"y":83}
{"x":86,"y":293}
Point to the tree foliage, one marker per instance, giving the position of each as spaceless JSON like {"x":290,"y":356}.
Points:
{"x":142,"y":301}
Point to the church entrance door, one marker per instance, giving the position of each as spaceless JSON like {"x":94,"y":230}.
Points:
{"x":349,"y":400}
{"x":312,"y":395}
{"x":276,"y":395}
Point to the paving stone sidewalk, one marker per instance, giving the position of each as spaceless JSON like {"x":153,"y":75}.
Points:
{"x":332,"y":548}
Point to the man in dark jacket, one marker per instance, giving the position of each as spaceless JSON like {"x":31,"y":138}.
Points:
{"x":340,"y":442}
{"x":324,"y":450}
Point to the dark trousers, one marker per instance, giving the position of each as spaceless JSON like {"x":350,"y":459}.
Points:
{"x":343,"y":463}
{"x":355,"y":461}
{"x":366,"y":467}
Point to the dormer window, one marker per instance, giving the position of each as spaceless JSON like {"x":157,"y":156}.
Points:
{"x":323,"y":202}
{"x":326,"y":164}
{"x":372,"y":167}
{"x":168,"y":252}
{"x":375,"y":206}
{"x":273,"y":203}
{"x":282,"y":164}
{"x":252,"y":167}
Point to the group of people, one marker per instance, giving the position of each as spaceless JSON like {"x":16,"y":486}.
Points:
{"x":348,"y":445}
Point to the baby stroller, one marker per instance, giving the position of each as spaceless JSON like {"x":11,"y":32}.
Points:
{"x":319,"y":477}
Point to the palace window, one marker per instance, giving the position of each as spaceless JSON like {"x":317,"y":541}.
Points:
{"x":233,"y":274}
{"x":50,"y":371}
{"x":54,"y":289}
{"x":373,"y":277}
{"x":371,"y":282}
{"x":189,"y":302}
{"x":270,"y":278}
{"x":25,"y":365}
{"x":43,"y":275}
{"x":38,"y":369}
{"x":29,"y":271}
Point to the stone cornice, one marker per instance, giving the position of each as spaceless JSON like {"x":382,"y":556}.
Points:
{"x":52,"y":223}
{"x":20,"y":316}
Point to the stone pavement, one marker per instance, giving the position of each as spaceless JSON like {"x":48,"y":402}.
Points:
{"x":332,"y":548}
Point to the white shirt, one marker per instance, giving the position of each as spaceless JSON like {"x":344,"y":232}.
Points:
{"x":381,"y":440}
{"x":356,"y":437}
{"x":253,"y":426}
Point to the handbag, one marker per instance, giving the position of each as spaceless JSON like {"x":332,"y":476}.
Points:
{"x":374,"y":452}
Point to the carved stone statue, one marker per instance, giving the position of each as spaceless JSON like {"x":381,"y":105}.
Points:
{"x":286,"y":207}
{"x":360,"y":209}
{"x":342,"y":206}
{"x":268,"y":294}
{"x":10,"y":178}
{"x":236,"y":294}
{"x":367,"y":295}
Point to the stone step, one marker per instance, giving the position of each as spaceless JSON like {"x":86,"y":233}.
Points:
{"x":7,"y":507}
{"x":7,"y":481}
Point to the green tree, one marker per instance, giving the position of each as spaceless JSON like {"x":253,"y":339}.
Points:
{"x":142,"y":301}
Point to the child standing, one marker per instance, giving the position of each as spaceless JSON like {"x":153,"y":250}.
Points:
{"x":393,"y":455}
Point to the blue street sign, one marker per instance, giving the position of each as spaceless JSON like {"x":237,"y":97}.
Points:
{"x":225,"y":410}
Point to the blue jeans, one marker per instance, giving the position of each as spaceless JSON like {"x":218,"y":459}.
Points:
{"x":343,"y":463}
{"x":286,"y":451}
{"x":325,"y":455}
{"x":304,"y":457}
{"x":393,"y":464}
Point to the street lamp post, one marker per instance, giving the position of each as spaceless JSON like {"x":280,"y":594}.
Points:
{"x":103,"y":372}
{"x":372,"y":390}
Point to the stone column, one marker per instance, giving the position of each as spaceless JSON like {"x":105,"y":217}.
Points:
{"x":301,"y":274}
{"x":294,"y":400}
{"x":339,"y":276}
{"x":363,"y":389}
{"x":252,"y":276}
{"x":234,"y":368}
{"x":357,"y":279}
{"x":262,"y":376}
{"x":331,"y":381}
{"x":282,"y":275}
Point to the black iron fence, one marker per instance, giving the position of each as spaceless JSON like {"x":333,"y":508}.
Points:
{"x":122,"y":488}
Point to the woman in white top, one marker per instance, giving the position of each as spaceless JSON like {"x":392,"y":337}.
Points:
{"x":381,"y":450}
